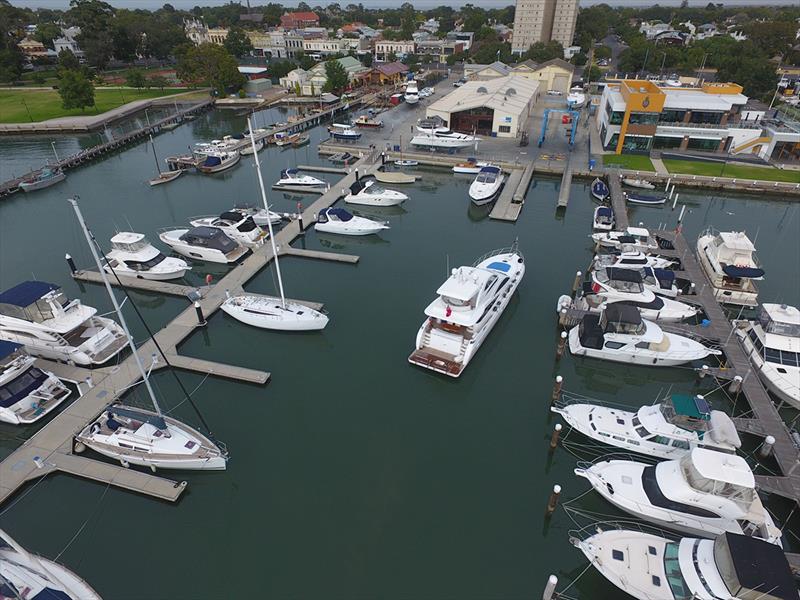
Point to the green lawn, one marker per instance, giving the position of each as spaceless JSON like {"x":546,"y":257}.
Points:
{"x":713,"y":169}
{"x":632,"y":162}
{"x":46,"y":104}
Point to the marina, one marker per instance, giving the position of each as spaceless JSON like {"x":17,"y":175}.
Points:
{"x":484,"y":482}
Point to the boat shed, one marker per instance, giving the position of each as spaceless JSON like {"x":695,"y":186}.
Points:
{"x":498,"y":107}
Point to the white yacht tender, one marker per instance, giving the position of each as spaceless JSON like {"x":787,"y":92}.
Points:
{"x":702,"y":493}
{"x":131,"y":255}
{"x":669,"y":429}
{"x":487,"y":185}
{"x":27,"y":393}
{"x":603,"y":218}
{"x":468,"y":306}
{"x":653,"y":567}
{"x":773,"y":344}
{"x":203,"y":243}
{"x":293,"y":177}
{"x":620,"y":334}
{"x":729,"y":262}
{"x":240,"y":228}
{"x":633,"y":238}
{"x":366,"y":191}
{"x":39,"y":316}
{"x":338,"y":220}
{"x":27,"y":576}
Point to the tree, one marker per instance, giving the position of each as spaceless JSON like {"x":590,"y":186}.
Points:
{"x":46,"y":33}
{"x":75,"y":90}
{"x":95,"y":18}
{"x":68,"y":61}
{"x":210,"y":65}
{"x":10,"y":64}
{"x":579,"y":59}
{"x":237,"y":42}
{"x":366,"y":60}
{"x":601,"y":52}
{"x":280,"y":68}
{"x":541,"y":51}
{"x":158,"y":81}
{"x":304,"y":61}
{"x":336,"y":76}
{"x":773,"y":37}
{"x":592,"y":73}
{"x":135,"y":78}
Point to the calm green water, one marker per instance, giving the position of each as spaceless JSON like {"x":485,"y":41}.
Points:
{"x":353,"y":474}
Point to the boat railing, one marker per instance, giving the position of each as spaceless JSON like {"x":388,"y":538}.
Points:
{"x":595,"y":526}
{"x":570,"y":398}
{"x":513,"y":249}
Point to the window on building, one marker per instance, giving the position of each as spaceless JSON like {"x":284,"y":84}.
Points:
{"x":616,"y":117}
{"x":504,"y":129}
{"x":643,"y":118}
{"x":710,"y":118}
{"x":672,"y":116}
{"x":661,"y":141}
{"x":637,"y":143}
{"x":703,"y":144}
{"x":612,"y":143}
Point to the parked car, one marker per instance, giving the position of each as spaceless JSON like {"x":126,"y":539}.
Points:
{"x":460,"y":82}
{"x":555,"y":93}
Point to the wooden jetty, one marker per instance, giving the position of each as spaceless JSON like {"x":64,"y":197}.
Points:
{"x":505,"y":208}
{"x":620,"y":208}
{"x":318,"y":169}
{"x":321,"y":255}
{"x":566,"y":186}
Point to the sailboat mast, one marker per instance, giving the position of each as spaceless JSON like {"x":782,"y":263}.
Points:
{"x":155,"y":156}
{"x":266,"y":206}
{"x":117,"y":307}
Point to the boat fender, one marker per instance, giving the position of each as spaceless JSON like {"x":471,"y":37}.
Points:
{"x":79,"y":447}
{"x":124,"y":463}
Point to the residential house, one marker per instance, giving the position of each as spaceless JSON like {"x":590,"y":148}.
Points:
{"x":466,"y":37}
{"x":385,"y":48}
{"x":431,"y":26}
{"x":357,"y":74}
{"x":391,"y":73}
{"x":325,"y":47}
{"x":293,"y":79}
{"x":504,"y":32}
{"x":440,"y":49}
{"x":651,"y":30}
{"x":32,"y":48}
{"x":298,"y":20}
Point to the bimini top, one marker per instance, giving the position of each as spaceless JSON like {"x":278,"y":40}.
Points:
{"x":209,"y":237}
{"x":358,"y":186}
{"x":617,"y":312}
{"x":753,"y":568}
{"x":339,"y":213}
{"x":743,"y":272}
{"x":232,"y":216}
{"x":212,"y":161}
{"x":664,"y":274}
{"x":27,"y":292}
{"x":691,"y":406}
{"x":8,"y":348}
{"x":737,"y":240}
{"x":624,"y":274}
{"x":127,"y":237}
{"x":718,"y":466}
{"x":286,"y":173}
{"x":132,"y":413}
{"x":604,"y":211}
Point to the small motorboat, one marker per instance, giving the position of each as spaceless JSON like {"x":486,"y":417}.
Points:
{"x":645,"y":199}
{"x":368,"y":123}
{"x":266,"y":312}
{"x":340,"y":131}
{"x":43,"y":179}
{"x":260,"y":216}
{"x":240,"y":228}
{"x":633,"y":238}
{"x":341,"y":158}
{"x":301,"y":140}
{"x":247,"y":149}
{"x":638,"y":183}
{"x":131,"y":255}
{"x":600,"y":190}
{"x":633,"y":259}
{"x":338,"y":220}
{"x":166,"y":177}
{"x":470,"y":167}
{"x":406,"y":163}
{"x":576,"y":98}
{"x":203,"y":243}
{"x":286,"y":140}
{"x":487,"y":185}
{"x":367,"y":192}
{"x":603,"y":219}
{"x":294,"y":178}
{"x":216,"y":161}
{"x":27,"y":393}
{"x":394,"y":177}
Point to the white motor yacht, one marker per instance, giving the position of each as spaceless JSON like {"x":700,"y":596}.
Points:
{"x":267,"y":312}
{"x":131,"y":255}
{"x":620,"y":334}
{"x":443,"y":140}
{"x":603,"y":218}
{"x":470,"y":167}
{"x":27,"y":393}
{"x":39,"y":316}
{"x":260,"y":216}
{"x":366,"y":191}
{"x":468,"y":306}
{"x":659,"y":281}
{"x":412,"y":93}
{"x":576,"y":98}
{"x":633,"y":238}
{"x":669,"y":429}
{"x":729,"y":262}
{"x":653,"y":567}
{"x":27,"y":576}
{"x":344,"y":132}
{"x":294,"y":178}
{"x":773,"y":344}
{"x":487,"y":185}
{"x":338,"y":220}
{"x":203,"y":243}
{"x":702,"y":493}
{"x":633,"y":259}
{"x":240,"y":228}
{"x":215,"y":161}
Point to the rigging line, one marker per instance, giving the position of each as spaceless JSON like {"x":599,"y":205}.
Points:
{"x":85,"y":522}
{"x":174,"y":408}
{"x":28,"y":491}
{"x":152,"y":337}
{"x":589,"y":566}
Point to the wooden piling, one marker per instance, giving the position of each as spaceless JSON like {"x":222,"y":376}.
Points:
{"x":552,"y":503}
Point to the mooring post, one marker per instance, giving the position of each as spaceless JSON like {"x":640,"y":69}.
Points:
{"x":201,"y":320}
{"x":735,"y":385}
{"x":300,"y":216}
{"x":554,"y":437}
{"x":703,"y":371}
{"x":356,"y":174}
{"x":577,"y":282}
{"x":766,"y":448}
{"x":550,"y":588}
{"x":562,"y":317}
{"x":552,"y":503}
{"x":562,"y":342}
{"x":71,"y":263}
{"x":556,"y":389}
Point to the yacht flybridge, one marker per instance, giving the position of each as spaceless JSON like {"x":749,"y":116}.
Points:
{"x":620,"y":334}
{"x":729,"y":262}
{"x":702,"y":493}
{"x":39,"y":316}
{"x":131,"y":255}
{"x":670,"y":429}
{"x":27,"y":393}
{"x":469,"y":305}
{"x":654,"y":567}
{"x":136,"y":436}
{"x":633,"y":238}
{"x":240,"y":228}
{"x":27,"y":576}
{"x":773,"y":344}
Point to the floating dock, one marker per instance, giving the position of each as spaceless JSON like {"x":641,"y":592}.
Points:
{"x":505,"y":208}
{"x":620,"y":208}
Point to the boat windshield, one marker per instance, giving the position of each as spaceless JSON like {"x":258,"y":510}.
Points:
{"x":374,"y":189}
{"x":778,"y":327}
{"x":672,"y":569}
{"x":146,"y":265}
{"x":744,"y":496}
{"x":486,"y":177}
{"x":620,"y":281}
{"x":20,"y":387}
{"x":458,"y":302}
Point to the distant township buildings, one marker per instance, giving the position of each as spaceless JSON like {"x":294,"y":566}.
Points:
{"x":543,"y":21}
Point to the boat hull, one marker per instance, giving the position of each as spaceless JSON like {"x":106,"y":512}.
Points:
{"x":223,"y":166}
{"x":645,"y":358}
{"x":42,"y":183}
{"x":268,"y":313}
{"x":373,"y":201}
{"x":152,"y":276}
{"x":165,"y":177}
{"x":360,"y":230}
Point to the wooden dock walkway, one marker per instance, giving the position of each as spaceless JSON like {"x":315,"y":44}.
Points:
{"x":144,"y":285}
{"x":524,"y":184}
{"x":505,"y":208}
{"x":619,"y":207}
{"x":566,"y":185}
{"x":321,"y":255}
{"x":317,"y":169}
{"x":198,"y":365}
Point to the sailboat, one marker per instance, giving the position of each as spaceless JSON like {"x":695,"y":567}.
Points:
{"x":137,"y":436}
{"x":163,"y":176}
{"x":264,"y":311}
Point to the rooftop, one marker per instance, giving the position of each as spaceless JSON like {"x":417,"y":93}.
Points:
{"x":737,"y":240}
{"x":720,"y":466}
{"x":510,"y":93}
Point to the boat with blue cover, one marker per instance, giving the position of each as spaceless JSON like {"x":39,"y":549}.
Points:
{"x":600,"y":190}
{"x":215,"y":161}
{"x":338,"y":220}
{"x":43,"y":179}
{"x":645,"y":199}
{"x":603,"y":219}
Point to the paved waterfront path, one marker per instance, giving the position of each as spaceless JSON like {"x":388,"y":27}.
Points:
{"x":661,"y":169}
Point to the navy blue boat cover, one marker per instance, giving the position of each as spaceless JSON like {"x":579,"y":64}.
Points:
{"x":340,"y":213}
{"x":745,"y":272}
{"x":26,"y":293}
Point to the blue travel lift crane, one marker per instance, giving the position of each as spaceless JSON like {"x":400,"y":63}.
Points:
{"x":573,"y":113}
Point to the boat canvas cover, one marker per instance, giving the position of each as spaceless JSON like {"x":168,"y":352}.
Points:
{"x":618,"y":312}
{"x":499,"y":266}
{"x":743,"y":272}
{"x":664,"y":276}
{"x":339,"y":213}
{"x":604,"y":211}
{"x":209,"y":237}
{"x":144,"y":417}
{"x":21,"y":387}
{"x":231,"y":216}
{"x":691,"y":406}
{"x":356,"y":188}
{"x":212,"y":161}
{"x":26,"y":293}
{"x":624,"y":274}
{"x":753,"y":569}
{"x":8,"y":348}
{"x":722,"y":429}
